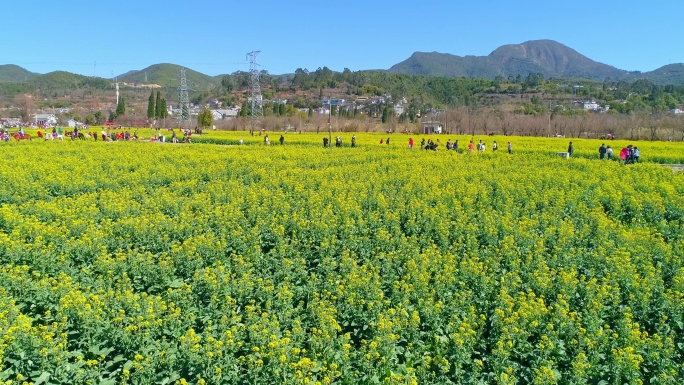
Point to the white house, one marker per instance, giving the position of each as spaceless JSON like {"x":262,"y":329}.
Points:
{"x":432,"y":127}
{"x":45,"y":119}
{"x":590,"y":105}
{"x":216,"y":115}
{"x":226,"y":113}
{"x":73,"y":123}
{"x":677,"y":111}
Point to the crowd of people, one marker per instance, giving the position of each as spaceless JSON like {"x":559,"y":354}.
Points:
{"x":107,"y":135}
{"x":629,"y":154}
{"x":338,"y":141}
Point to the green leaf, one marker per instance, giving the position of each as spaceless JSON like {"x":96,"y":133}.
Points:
{"x":42,"y":378}
{"x":128,"y":365}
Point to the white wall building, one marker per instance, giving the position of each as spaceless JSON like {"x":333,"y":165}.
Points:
{"x":590,"y":105}
{"x":73,"y":123}
{"x":45,"y":119}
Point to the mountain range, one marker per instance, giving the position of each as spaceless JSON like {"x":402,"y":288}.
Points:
{"x":548,"y":57}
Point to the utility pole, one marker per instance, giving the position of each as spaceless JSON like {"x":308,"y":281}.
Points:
{"x":549,"y":128}
{"x":255,"y":95}
{"x":330,"y":122}
{"x":184,"y":99}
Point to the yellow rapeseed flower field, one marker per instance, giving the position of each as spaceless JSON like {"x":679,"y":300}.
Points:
{"x":224,"y":263}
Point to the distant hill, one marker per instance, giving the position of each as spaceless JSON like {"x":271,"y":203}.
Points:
{"x":60,"y":80}
{"x":168,"y":75}
{"x":10,"y":73}
{"x":670,"y":74}
{"x":548,"y":57}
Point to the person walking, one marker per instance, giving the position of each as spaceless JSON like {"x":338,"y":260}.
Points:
{"x":353,"y":142}
{"x":410,"y":143}
{"x":570,"y":149}
{"x":282,"y":140}
{"x":609,"y":153}
{"x":602,"y":151}
{"x":510,"y":148}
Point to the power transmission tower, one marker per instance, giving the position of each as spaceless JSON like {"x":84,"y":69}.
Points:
{"x":184,"y":115}
{"x":256,"y":104}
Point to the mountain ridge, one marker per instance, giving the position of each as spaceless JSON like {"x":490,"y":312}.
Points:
{"x":547,"y":57}
{"x":12,"y":73}
{"x":168,"y":75}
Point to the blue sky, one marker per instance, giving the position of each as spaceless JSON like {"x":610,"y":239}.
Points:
{"x":109,"y":38}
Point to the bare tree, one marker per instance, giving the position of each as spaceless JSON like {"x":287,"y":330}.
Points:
{"x":470,"y":116}
{"x":455,"y":119}
{"x":634,"y":122}
{"x":24,"y":103}
{"x":486,"y":120}
{"x":504,"y":122}
{"x":656,"y":125}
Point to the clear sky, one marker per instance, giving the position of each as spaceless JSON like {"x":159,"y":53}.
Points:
{"x":110,"y":38}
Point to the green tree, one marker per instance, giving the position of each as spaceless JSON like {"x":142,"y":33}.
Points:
{"x":205,"y":118}
{"x":157,"y":106}
{"x":227,"y":83}
{"x":121,"y":107}
{"x":150,"y":106}
{"x":98,"y":117}
{"x":164,"y":110}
